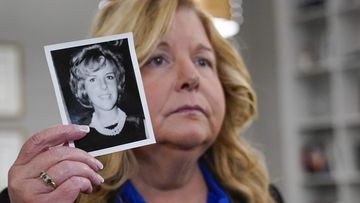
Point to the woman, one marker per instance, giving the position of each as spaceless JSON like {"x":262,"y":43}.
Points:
{"x":97,"y":80}
{"x":199,"y":96}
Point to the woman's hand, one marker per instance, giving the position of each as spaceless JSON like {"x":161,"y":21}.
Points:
{"x":72,"y":170}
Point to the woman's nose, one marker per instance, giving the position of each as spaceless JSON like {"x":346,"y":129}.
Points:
{"x":103,"y":84}
{"x":188,"y":77}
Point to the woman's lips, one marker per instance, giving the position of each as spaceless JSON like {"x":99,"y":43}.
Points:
{"x":105,"y":96}
{"x":188,"y":108}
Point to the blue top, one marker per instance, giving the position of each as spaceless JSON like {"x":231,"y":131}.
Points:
{"x":129,"y":194}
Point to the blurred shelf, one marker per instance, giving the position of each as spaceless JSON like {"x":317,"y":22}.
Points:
{"x":319,"y":180}
{"x":310,"y":15}
{"x":350,"y":9}
{"x":316,"y":124}
{"x":329,"y":179}
{"x":351,"y":60}
{"x":349,"y":177}
{"x":313,"y":71}
{"x":320,"y":61}
{"x":352,"y":120}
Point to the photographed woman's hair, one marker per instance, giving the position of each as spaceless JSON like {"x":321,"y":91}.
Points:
{"x":238,"y":167}
{"x":89,"y":60}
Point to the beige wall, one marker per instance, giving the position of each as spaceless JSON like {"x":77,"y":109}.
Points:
{"x":257,"y":42}
{"x":31,"y":25}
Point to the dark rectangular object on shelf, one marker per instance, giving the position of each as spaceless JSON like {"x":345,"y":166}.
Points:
{"x":311,"y":3}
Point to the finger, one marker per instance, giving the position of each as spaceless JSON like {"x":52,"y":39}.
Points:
{"x":49,"y":137}
{"x":27,"y":190}
{"x":36,"y":190}
{"x":38,"y":186}
{"x":70,"y":189}
{"x":19,"y":184}
{"x":67,"y":169}
{"x":59,"y":154}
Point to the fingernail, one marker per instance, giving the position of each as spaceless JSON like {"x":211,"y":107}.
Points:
{"x":99,"y":164}
{"x":84,"y":128}
{"x":101,"y":179}
{"x":89,"y":190}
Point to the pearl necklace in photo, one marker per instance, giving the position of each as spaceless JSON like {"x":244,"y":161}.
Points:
{"x":120,"y":122}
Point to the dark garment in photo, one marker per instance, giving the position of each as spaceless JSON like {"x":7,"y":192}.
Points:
{"x":132,"y":131}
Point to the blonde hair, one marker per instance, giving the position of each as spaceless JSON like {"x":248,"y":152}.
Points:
{"x":237,"y":167}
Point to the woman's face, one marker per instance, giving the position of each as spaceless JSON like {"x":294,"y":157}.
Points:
{"x":184,"y":94}
{"x":101,"y":87}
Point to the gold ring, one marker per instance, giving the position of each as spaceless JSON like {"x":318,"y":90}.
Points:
{"x":47,"y":180}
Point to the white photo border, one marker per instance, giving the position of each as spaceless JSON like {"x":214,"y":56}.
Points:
{"x":150,"y":138}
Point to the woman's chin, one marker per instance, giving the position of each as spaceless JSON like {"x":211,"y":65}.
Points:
{"x":186,"y":141}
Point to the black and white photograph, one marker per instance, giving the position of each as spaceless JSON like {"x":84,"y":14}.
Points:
{"x":97,"y":83}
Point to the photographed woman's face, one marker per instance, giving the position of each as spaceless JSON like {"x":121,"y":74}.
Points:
{"x":184,"y":94}
{"x":101,"y":87}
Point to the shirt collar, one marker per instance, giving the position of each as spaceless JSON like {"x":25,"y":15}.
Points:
{"x":128,"y":193}
{"x":215,"y":193}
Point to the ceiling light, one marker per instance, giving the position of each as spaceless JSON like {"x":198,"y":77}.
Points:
{"x":224,"y":12}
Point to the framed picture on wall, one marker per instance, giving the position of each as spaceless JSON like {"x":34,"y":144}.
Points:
{"x":11,"y":101}
{"x":11,"y":141}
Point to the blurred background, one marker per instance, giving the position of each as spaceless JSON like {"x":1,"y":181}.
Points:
{"x":304,"y":56}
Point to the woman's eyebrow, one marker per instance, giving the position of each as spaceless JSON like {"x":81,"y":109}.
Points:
{"x":163,"y":44}
{"x":204,"y":48}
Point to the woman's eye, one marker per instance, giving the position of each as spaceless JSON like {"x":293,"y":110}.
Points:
{"x":203,"y":62}
{"x":92,"y":80}
{"x":156,"y":61}
{"x":110,"y":77}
